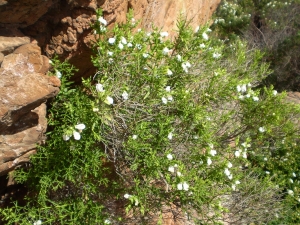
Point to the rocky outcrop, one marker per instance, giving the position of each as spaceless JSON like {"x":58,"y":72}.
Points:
{"x":24,"y":89}
{"x":66,"y":29}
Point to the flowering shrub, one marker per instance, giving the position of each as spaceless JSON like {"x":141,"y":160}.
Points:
{"x":163,"y":122}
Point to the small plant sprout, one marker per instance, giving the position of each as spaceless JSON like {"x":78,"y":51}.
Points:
{"x":169,"y":157}
{"x":183,"y":186}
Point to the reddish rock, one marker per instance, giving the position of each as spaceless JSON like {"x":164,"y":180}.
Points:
{"x":24,"y":88}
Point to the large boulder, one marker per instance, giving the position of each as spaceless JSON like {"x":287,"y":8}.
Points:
{"x":24,"y":88}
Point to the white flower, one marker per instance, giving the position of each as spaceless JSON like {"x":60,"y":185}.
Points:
{"x":107,"y":221}
{"x":170,"y":136}
{"x":294,"y":175}
{"x":109,"y":100}
{"x":164,"y":100}
{"x":164,"y":34}
{"x":170,"y":157}
{"x":233,"y":187}
{"x":76,"y":135}
{"x":238,"y":88}
{"x":125,"y":95}
{"x":265,"y":159}
{"x":111,"y":41}
{"x":290,"y":192}
{"x":123,"y":40}
{"x":129,"y":45}
{"x":261,"y":129}
{"x":248,"y":95}
{"x":134,"y":137}
{"x":139,"y":30}
{"x":185,"y":66}
{"x":148,"y":34}
{"x":171,"y":169}
{"x":102,"y":20}
{"x":216,"y":55}
{"x":237,"y":153}
{"x":205,"y":36}
{"x":110,"y":53}
{"x":127,"y":196}
{"x":99,"y":87}
{"x":95,"y":109}
{"x":66,"y":137}
{"x":179,"y":58}
{"x":227,"y":172}
{"x":255,"y":98}
{"x":121,"y":46}
{"x":202,"y":45}
{"x":165,"y":51}
{"x":102,"y":28}
{"x":291,"y":181}
{"x":197,"y":29}
{"x":229,"y":164}
{"x":208,"y":30}
{"x":209,"y":161}
{"x":170,"y":98}
{"x":244,"y":88}
{"x":58,"y":74}
{"x":230,"y":176}
{"x":80,"y":126}
{"x":50,"y":62}
{"x":38,"y":222}
{"x":138,"y":46}
{"x":110,"y":60}
{"x":274,"y":92}
{"x":242,"y":97}
{"x":237,"y":182}
{"x":168,"y":89}
{"x":267,"y":172}
{"x":179,"y":174}
{"x":183,"y":186}
{"x":169,"y":72}
{"x":145,"y":55}
{"x":245,"y":155}
{"x":132,"y":21}
{"x":213,"y":152}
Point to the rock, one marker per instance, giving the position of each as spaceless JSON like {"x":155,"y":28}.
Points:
{"x":24,"y":88}
{"x":22,"y":13}
{"x":9,"y":44}
{"x":72,"y":36}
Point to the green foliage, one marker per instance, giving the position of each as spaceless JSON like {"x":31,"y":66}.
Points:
{"x":164,"y":122}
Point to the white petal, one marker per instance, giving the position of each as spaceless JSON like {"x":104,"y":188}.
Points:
{"x":170,"y":157}
{"x":76,"y":135}
{"x":80,"y":126}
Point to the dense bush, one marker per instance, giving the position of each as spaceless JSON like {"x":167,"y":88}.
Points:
{"x":164,"y":123}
